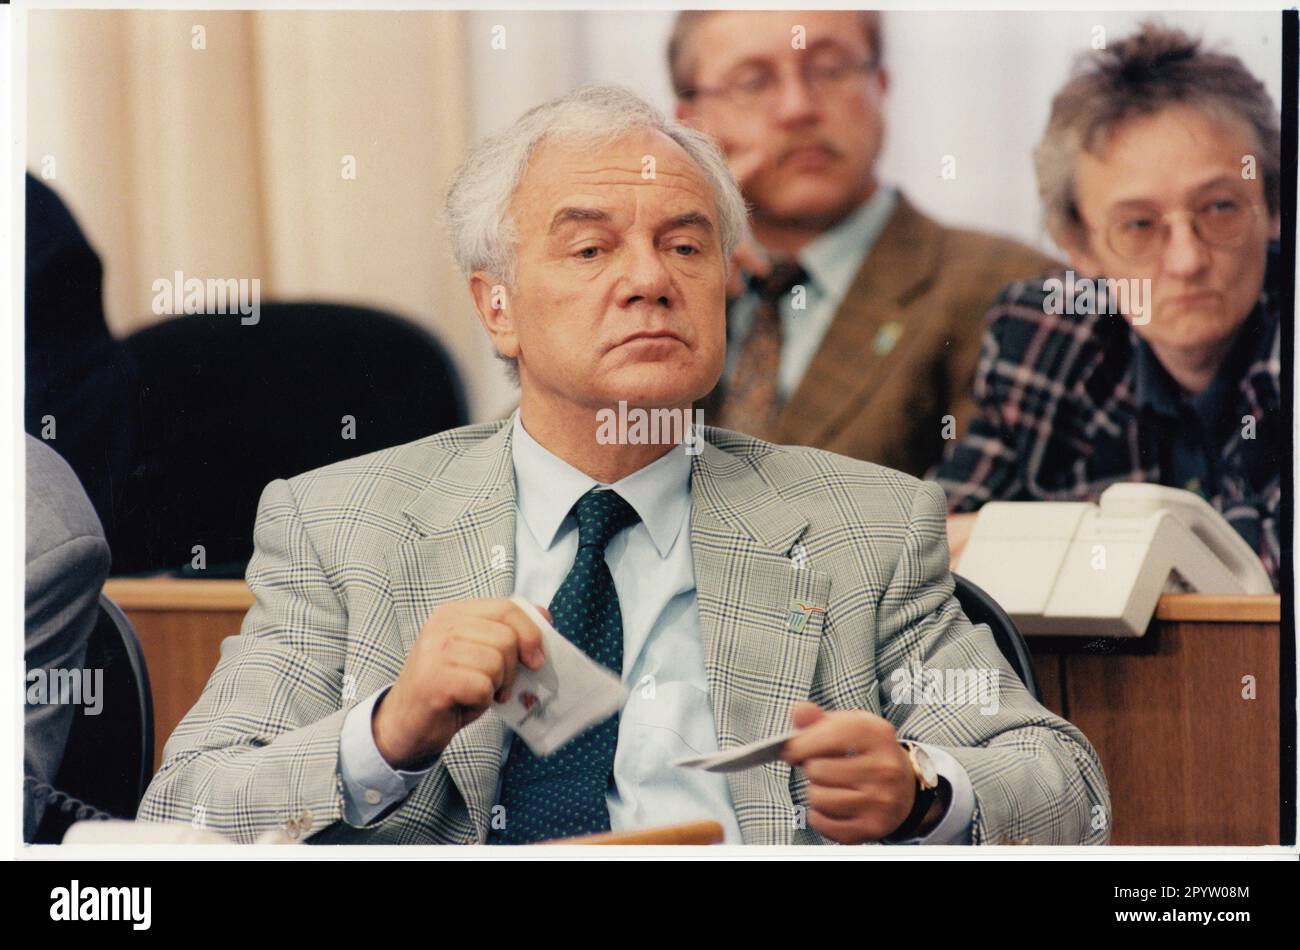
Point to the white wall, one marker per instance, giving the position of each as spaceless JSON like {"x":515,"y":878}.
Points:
{"x":974,"y":85}
{"x":979,"y":86}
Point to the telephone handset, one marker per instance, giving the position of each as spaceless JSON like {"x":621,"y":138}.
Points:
{"x":1141,"y":499}
{"x":1077,"y":568}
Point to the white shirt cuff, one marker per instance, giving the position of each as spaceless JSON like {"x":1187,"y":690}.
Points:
{"x":954,"y":827}
{"x":370,"y":785}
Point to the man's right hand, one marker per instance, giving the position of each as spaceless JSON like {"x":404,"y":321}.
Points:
{"x":464,"y":658}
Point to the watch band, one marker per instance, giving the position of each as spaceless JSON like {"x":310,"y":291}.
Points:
{"x":925,"y":795}
{"x":924,"y":799}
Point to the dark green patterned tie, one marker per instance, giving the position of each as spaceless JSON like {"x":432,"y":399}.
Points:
{"x":563,"y":794}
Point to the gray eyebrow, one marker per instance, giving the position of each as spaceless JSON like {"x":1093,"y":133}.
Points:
{"x":691,"y":219}
{"x":565,"y":215}
{"x":1215,"y":182}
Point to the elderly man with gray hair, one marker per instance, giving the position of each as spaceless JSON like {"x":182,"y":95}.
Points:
{"x":739,"y":589}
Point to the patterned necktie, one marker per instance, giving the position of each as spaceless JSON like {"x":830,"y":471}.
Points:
{"x":563,"y":794}
{"x":751,"y":400}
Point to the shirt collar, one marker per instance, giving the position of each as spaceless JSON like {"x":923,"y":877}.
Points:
{"x":547,"y":487}
{"x":834,"y":257}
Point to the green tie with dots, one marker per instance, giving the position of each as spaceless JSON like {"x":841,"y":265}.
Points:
{"x":563,"y":794}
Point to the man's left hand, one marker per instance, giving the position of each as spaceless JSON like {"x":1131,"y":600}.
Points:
{"x":861,"y":783}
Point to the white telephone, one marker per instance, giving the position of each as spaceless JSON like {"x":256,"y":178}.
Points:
{"x":1075,"y":568}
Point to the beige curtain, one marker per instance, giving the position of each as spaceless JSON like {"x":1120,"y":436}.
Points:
{"x":219,"y":144}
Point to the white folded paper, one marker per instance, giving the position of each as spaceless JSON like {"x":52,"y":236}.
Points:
{"x":566,"y":697}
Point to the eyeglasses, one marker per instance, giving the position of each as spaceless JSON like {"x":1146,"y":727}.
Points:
{"x":1140,"y":236}
{"x":759,"y":85}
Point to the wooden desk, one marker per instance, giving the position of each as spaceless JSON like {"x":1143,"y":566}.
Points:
{"x":692,"y":832}
{"x":181,"y":624}
{"x":1189,"y":761}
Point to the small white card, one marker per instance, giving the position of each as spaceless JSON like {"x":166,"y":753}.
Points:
{"x":566,"y":697}
{"x":742,"y":757}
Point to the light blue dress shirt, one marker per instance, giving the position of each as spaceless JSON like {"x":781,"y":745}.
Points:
{"x":668,"y":713}
{"x":832,"y":260}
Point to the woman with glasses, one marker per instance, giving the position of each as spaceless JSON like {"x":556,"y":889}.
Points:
{"x":1159,"y":175}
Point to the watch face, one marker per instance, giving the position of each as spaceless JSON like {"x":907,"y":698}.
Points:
{"x":929,"y":774}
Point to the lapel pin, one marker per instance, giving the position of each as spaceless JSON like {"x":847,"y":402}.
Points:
{"x":798,"y":617}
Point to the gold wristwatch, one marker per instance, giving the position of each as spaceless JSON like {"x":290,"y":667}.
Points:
{"x":927,"y":787}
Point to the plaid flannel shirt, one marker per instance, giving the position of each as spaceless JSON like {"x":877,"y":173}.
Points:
{"x":1058,"y":418}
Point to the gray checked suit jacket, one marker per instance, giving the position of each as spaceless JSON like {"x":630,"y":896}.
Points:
{"x":351,"y":559}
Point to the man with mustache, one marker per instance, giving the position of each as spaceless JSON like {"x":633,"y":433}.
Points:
{"x":1160,"y":166}
{"x":858,"y":329}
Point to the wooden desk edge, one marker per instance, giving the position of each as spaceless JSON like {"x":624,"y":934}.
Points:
{"x":169,"y":593}
{"x":1220,"y":608}
{"x":694,"y":832}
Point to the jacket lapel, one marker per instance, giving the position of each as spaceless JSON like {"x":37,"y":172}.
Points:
{"x":761,"y":608}
{"x":868,"y":328}
{"x":463,"y":548}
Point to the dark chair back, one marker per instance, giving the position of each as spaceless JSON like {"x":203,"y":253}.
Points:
{"x":108,"y":759}
{"x":981,"y":608}
{"x":226,"y":408}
